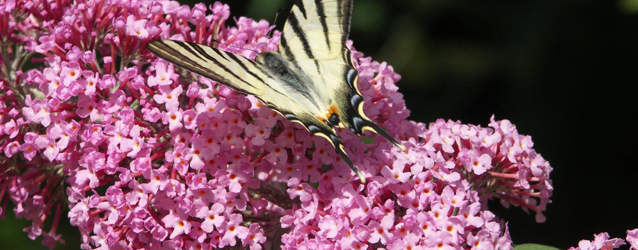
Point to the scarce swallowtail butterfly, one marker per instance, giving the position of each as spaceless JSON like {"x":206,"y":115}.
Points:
{"x":311,"y":80}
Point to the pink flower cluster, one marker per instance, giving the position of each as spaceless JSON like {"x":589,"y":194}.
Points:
{"x":602,"y":241}
{"x":150,"y":156}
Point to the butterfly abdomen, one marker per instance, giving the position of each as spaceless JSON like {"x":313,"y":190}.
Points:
{"x":280,"y":69}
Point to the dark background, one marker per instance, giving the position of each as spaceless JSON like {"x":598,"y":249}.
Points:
{"x":564,"y":72}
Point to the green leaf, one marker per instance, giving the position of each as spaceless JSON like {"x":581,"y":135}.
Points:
{"x":532,"y":246}
{"x":628,"y":6}
{"x":135,"y":104}
{"x":367,"y":140}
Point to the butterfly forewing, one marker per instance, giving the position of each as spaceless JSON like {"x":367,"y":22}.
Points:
{"x":231,"y":70}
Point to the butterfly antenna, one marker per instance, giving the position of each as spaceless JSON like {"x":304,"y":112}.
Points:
{"x":275,"y":22}
{"x":214,"y":42}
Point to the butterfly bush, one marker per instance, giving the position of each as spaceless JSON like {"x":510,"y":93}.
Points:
{"x":141,"y":154}
{"x":602,"y":241}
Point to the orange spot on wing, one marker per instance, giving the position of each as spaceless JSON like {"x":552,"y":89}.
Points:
{"x":333,"y":110}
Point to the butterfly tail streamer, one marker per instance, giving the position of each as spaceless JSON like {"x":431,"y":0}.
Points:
{"x":351,"y":165}
{"x":338,"y":146}
{"x":371,"y":126}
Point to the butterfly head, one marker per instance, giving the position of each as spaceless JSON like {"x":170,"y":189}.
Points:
{"x":333,"y":120}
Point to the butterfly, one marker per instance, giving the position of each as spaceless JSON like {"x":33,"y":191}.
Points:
{"x":311,"y":80}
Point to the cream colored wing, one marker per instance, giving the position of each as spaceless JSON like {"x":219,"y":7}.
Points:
{"x":316,"y":30}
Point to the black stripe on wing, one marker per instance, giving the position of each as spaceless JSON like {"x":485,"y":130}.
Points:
{"x":301,"y":35}
{"x":321,"y":12}
{"x":294,"y":24}
{"x":345,"y":11}
{"x":195,"y":57}
{"x":242,"y":65}
{"x":302,"y":8}
{"x":288,"y":52}
{"x":201,"y":51}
